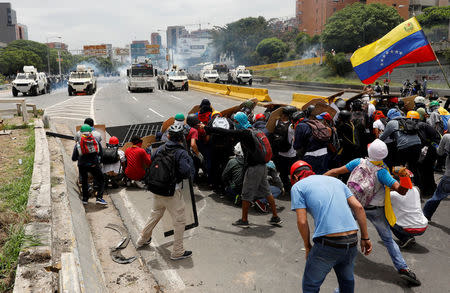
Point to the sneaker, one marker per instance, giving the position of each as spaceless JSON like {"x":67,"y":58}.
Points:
{"x":261,"y":206}
{"x":240,"y":223}
{"x":139,"y":184}
{"x":275,"y":221}
{"x":84,"y":201}
{"x":408,"y":275}
{"x":407,"y":242}
{"x":101,"y":201}
{"x":186,"y":254}
{"x":140,"y":243}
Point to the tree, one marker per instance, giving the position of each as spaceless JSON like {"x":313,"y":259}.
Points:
{"x":338,"y":64}
{"x":302,"y":42}
{"x":13,"y":61}
{"x":432,"y":16}
{"x":241,"y":37}
{"x":358,"y":25}
{"x":272,"y":49}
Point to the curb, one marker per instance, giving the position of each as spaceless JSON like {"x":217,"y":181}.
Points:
{"x":31,"y":275}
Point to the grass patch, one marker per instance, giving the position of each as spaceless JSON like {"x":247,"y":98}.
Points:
{"x":13,"y":216}
{"x":15,"y":126}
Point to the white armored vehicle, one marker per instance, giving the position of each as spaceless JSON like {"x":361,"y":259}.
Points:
{"x":240,"y":75}
{"x":208,"y":74}
{"x":30,"y":82}
{"x":176,"y":79}
{"x":82,"y":81}
{"x":141,"y":76}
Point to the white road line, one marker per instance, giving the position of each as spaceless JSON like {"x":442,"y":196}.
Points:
{"x":52,"y":106}
{"x":70,"y":118}
{"x":173,"y":278}
{"x":134,"y":98}
{"x":175,"y":97}
{"x":156,"y":112}
{"x":69,"y":114}
{"x":92,"y":104}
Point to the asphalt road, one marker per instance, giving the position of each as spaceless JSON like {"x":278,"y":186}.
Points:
{"x":225,"y":258}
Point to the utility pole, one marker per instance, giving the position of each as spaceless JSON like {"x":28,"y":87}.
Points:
{"x":59,"y":57}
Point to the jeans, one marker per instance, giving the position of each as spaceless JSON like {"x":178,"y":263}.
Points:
{"x":284,"y":167}
{"x":321,"y":259}
{"x":99,"y":184}
{"x":378,"y":219}
{"x":410,"y":156}
{"x":275,"y":192}
{"x":401,"y":234}
{"x":319,"y":164}
{"x":442,"y":191}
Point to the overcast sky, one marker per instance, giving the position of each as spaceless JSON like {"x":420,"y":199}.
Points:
{"x":81,"y":22}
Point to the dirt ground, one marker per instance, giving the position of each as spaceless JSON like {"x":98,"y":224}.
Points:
{"x":11,"y":150}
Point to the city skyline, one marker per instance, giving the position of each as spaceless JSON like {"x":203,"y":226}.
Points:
{"x":120,"y":24}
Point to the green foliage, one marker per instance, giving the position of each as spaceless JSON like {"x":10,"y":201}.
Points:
{"x":2,"y":79}
{"x":338,"y":64}
{"x":241,"y":38}
{"x":272,"y":50}
{"x":434,"y":15}
{"x":12,"y":61}
{"x":446,"y":54}
{"x":302,"y":42}
{"x":358,"y":25}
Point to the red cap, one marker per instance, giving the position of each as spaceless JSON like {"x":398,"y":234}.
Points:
{"x":113,"y":140}
{"x":393,"y":100}
{"x":259,"y":116}
{"x":305,"y":172}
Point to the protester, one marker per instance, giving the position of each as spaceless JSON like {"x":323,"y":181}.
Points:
{"x":331,"y":204}
{"x":114,"y":162}
{"x":275,"y":185}
{"x":373,"y":197}
{"x":443,"y":189}
{"x":257,"y":153}
{"x":88,"y":153}
{"x":95,"y":132}
{"x":410,"y":219}
{"x":170,"y":166}
{"x":138,"y":160}
{"x":233,"y":175}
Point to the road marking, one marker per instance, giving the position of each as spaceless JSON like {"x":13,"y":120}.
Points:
{"x":175,"y":97}
{"x":92,"y":104}
{"x":69,"y":114}
{"x":70,"y":118}
{"x":156,"y":112}
{"x":135,"y":99}
{"x":171,"y":275}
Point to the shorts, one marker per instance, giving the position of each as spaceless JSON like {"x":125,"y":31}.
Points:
{"x":255,"y":183}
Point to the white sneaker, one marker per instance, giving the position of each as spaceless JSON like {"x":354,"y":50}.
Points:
{"x":140,"y":184}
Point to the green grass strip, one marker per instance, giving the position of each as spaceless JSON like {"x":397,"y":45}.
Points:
{"x":14,"y":196}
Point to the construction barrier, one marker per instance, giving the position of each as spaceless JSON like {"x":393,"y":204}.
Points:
{"x":299,"y":100}
{"x":293,"y":63}
{"x":241,"y":92}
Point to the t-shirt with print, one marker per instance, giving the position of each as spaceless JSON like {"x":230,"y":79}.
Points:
{"x":384,"y":179}
{"x":325,"y":198}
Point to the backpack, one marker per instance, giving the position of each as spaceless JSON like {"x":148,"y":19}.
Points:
{"x":334,"y":145}
{"x":88,"y":145}
{"x":263,"y":150}
{"x":221,"y":122}
{"x":279,"y":138}
{"x":110,"y":155}
{"x":362,"y":181}
{"x":320,"y":131}
{"x":162,"y":178}
{"x":407,"y":126}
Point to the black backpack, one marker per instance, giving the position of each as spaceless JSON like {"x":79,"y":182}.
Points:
{"x":407,"y":126}
{"x":110,"y":155}
{"x":161,"y":177}
{"x":280,"y":139}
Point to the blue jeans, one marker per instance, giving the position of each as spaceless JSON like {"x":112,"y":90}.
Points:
{"x":442,"y":191}
{"x":321,"y":260}
{"x":319,"y":164}
{"x":378,"y":219}
{"x":275,"y":192}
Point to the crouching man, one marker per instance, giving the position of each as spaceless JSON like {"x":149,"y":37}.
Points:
{"x":171,"y":164}
{"x":330,"y":203}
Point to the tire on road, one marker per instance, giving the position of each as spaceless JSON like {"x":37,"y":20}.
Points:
{"x":15,"y":92}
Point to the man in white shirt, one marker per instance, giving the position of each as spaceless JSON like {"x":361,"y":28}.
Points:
{"x":113,"y":162}
{"x":410,"y":219}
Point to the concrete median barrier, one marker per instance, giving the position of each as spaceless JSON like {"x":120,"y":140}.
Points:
{"x":299,"y":100}
{"x":240,"y":92}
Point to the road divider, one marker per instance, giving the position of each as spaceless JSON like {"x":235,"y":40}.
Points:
{"x":240,"y":92}
{"x":299,"y":100}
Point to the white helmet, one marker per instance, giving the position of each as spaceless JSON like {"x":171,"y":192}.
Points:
{"x":238,"y":150}
{"x":420,"y":100}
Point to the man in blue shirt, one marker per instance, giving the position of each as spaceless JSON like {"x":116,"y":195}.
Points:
{"x":375,"y":209}
{"x":330,"y":203}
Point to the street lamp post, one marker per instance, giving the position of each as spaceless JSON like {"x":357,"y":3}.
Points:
{"x":59,"y":54}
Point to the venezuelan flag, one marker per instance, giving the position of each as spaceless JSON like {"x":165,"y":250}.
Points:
{"x":406,"y":43}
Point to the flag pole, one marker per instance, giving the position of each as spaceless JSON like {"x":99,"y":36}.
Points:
{"x":437,"y":59}
{"x":442,"y":69}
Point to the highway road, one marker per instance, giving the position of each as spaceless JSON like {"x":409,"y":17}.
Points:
{"x":226,"y":258}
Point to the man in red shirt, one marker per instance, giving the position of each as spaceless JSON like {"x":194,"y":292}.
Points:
{"x":137,"y":160}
